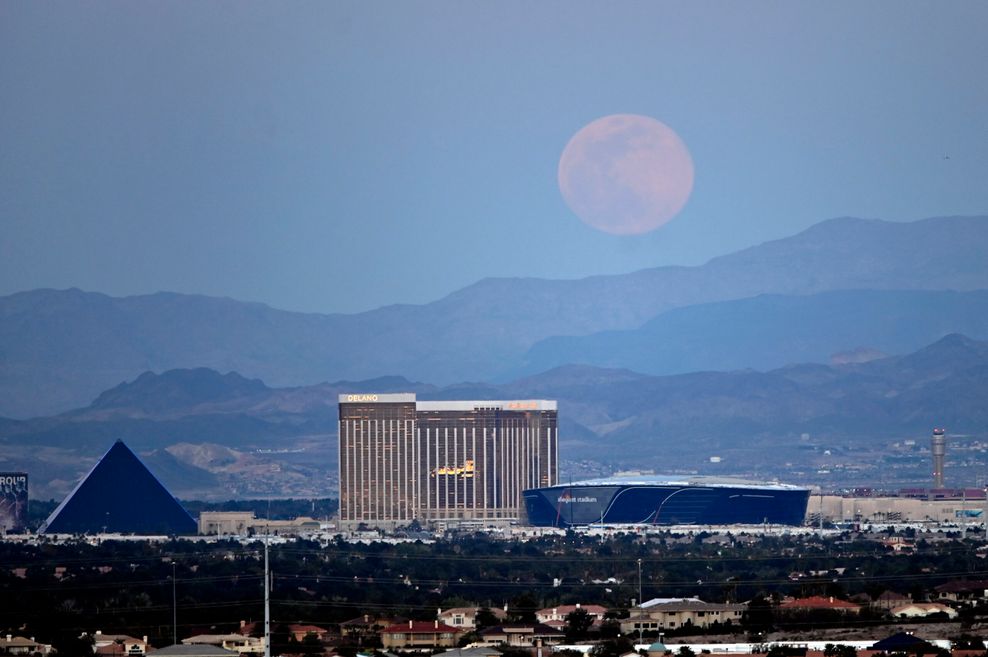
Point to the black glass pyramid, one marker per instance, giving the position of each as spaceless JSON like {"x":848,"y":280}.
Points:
{"x":120,"y":495}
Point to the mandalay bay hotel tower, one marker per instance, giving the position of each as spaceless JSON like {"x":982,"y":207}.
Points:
{"x":441,"y":461}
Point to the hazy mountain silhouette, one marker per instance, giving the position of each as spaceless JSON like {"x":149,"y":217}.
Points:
{"x":942,"y":383}
{"x":177,"y":390}
{"x":59,"y":349}
{"x":610,"y":415}
{"x":770,"y":331}
{"x":197,"y":429}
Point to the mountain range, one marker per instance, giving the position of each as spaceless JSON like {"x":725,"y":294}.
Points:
{"x":831,"y":351}
{"x":770,"y":331}
{"x":208,"y":434}
{"x":856,"y":287}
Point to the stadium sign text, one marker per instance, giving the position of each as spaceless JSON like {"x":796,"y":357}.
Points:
{"x":563,"y":499}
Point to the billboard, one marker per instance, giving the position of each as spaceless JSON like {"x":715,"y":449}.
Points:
{"x":13,"y":501}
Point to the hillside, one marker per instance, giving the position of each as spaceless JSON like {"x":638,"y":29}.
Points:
{"x":60,"y":349}
{"x":771,"y":331}
{"x":225,"y":435}
{"x":206,"y":435}
{"x":939,"y":384}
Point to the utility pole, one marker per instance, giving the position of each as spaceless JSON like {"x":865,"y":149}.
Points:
{"x":267,"y":602}
{"x":640,"y":601}
{"x":174,"y":609}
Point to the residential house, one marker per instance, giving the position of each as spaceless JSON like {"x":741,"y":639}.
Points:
{"x":364,"y":628}
{"x":862,"y":599}
{"x":419,"y":634}
{"x":556,"y":616}
{"x":890,"y":600}
{"x":963,"y":590}
{"x":674,"y":613}
{"x":523,"y":635}
{"x":819,"y":602}
{"x":899,"y":544}
{"x":19,"y":645}
{"x":465,"y":618}
{"x":112,"y":650}
{"x":119,"y":644}
{"x":245,"y":645}
{"x":302,"y":631}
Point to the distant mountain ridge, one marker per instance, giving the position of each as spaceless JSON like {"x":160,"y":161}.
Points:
{"x":177,"y":389}
{"x":211,"y":438}
{"x":199,"y":430}
{"x":59,"y":349}
{"x":646,"y":417}
{"x":770,"y":331}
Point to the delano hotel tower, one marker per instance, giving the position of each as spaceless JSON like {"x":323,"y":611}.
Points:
{"x":403,"y":460}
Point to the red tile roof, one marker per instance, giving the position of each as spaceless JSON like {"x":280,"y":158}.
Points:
{"x":315,"y":629}
{"x":568,"y":609}
{"x":420,"y":627}
{"x":962,"y":586}
{"x":818,"y":602}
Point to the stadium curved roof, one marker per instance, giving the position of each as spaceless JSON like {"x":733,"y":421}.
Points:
{"x":673,"y":480}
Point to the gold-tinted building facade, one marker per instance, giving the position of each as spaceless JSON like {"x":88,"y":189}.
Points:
{"x":403,"y":460}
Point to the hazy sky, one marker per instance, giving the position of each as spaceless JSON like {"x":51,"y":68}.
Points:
{"x":334,"y":156}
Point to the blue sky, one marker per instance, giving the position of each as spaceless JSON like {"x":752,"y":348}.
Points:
{"x":336,"y":156}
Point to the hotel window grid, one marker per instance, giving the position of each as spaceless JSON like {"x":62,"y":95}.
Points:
{"x":402,"y":460}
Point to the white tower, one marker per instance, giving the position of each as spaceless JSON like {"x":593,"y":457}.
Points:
{"x":939,"y":448}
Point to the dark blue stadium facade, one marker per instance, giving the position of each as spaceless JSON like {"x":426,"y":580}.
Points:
{"x":666,"y":501}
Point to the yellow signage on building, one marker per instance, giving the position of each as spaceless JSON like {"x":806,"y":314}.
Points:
{"x":450,"y":471}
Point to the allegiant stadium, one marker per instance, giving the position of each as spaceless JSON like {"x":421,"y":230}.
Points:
{"x":657,"y":500}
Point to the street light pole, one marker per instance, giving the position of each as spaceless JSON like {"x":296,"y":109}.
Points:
{"x":174,"y":609}
{"x":267,"y":602}
{"x":640,"y":601}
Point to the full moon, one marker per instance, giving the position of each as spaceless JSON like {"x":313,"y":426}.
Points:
{"x":626,"y":174}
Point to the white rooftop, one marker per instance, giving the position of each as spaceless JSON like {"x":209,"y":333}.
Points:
{"x":448,"y":405}
{"x":678,"y":480}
